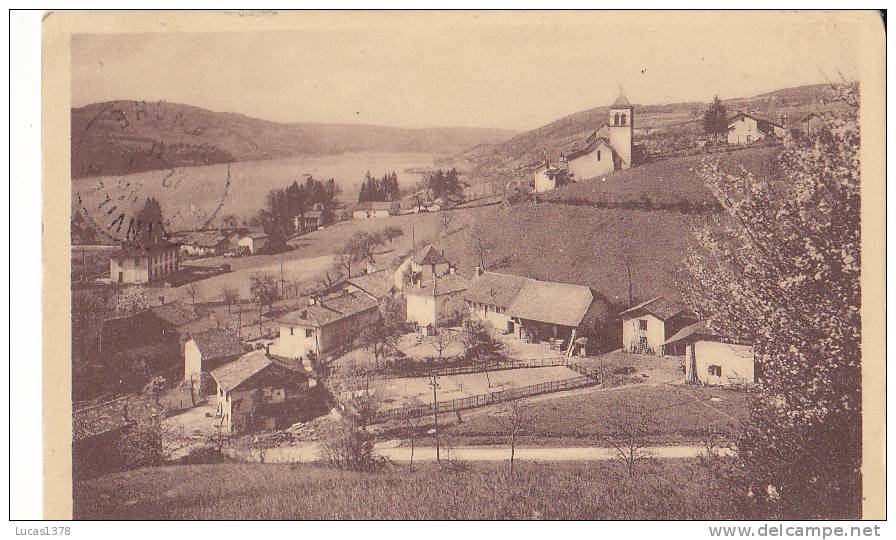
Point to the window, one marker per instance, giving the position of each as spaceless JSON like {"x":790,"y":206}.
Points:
{"x":715,"y":371}
{"x":623,"y":119}
{"x":291,"y":332}
{"x":598,"y":155}
{"x":642,"y":324}
{"x":309,"y":333}
{"x":616,"y":120}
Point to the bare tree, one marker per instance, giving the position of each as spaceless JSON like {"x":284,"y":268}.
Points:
{"x":629,"y":425}
{"x":230,"y":295}
{"x":412,"y":426}
{"x":192,"y":290}
{"x":480,"y":240}
{"x":441,"y":340}
{"x":359,"y":388}
{"x":517,"y":417}
{"x":446,"y":218}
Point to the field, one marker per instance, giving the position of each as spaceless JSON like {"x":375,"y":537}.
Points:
{"x":680,"y":414}
{"x":404,"y":391}
{"x":190,"y":195}
{"x":598,"y":490}
{"x":665,"y":182}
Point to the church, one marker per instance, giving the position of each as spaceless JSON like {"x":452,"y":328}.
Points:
{"x":606,"y":149}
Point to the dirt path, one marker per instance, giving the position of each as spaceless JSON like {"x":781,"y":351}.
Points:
{"x":394,"y":451}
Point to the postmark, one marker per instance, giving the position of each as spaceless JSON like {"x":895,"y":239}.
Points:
{"x":125,"y":153}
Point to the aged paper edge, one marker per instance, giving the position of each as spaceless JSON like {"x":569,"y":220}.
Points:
{"x":56,"y":191}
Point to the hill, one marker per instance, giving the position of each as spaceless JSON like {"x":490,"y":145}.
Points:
{"x":122,"y":137}
{"x":664,"y":183}
{"x":658,"y":128}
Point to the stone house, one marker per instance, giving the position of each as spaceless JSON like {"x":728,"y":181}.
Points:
{"x":647,"y":326}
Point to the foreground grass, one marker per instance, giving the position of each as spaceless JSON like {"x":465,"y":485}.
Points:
{"x":668,"y":489}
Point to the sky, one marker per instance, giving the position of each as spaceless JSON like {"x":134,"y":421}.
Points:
{"x":515,"y":71}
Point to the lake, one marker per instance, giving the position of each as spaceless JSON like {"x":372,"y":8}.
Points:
{"x":190,"y":195}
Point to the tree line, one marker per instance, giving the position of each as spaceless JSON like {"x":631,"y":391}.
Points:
{"x":282,"y":205}
{"x":383,"y":189}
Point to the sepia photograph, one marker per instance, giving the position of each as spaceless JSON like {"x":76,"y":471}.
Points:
{"x":495,"y":265}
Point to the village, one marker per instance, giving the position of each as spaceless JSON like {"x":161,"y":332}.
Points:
{"x":396,"y":335}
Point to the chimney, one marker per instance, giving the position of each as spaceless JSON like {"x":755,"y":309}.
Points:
{"x":479,"y":271}
{"x":267,"y":349}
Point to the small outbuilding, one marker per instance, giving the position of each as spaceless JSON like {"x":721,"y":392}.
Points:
{"x":711,"y":359}
{"x":209,"y":350}
{"x":647,"y":326}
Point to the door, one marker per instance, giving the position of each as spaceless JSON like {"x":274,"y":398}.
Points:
{"x":510,"y":327}
{"x":121,"y":277}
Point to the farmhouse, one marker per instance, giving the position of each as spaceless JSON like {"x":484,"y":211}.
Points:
{"x":255,"y":242}
{"x":313,"y":219}
{"x":749,"y":127}
{"x":375,"y":209}
{"x":536,"y":310}
{"x":711,"y":359}
{"x":152,"y":337}
{"x":647,"y":326}
{"x":205,"y":351}
{"x":433,"y":302}
{"x":205,"y":244}
{"x":144,"y":262}
{"x":255,"y":392}
{"x":325,"y":325}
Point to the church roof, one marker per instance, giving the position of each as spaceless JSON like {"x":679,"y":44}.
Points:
{"x":621,"y":102}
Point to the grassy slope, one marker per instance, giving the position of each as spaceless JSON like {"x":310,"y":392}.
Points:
{"x":481,"y":491}
{"x":667,"y":181}
{"x":582,"y":245}
{"x":682,"y":414}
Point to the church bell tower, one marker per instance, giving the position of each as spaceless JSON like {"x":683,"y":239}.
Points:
{"x":622,"y":125}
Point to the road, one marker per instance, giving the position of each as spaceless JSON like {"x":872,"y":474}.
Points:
{"x":393,"y":451}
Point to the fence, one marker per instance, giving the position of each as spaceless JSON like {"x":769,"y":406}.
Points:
{"x":481,"y":400}
{"x":422,"y":370}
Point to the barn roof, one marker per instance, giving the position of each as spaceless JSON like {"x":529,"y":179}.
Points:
{"x":331,"y":309}
{"x":230,"y":376}
{"x":175,"y":313}
{"x":217,"y":343}
{"x":377,"y":284}
{"x":551,"y":302}
{"x":116,"y":415}
{"x":495,"y":289}
{"x":595,"y":142}
{"x":660,"y":307}
{"x":692,"y":331}
{"x":374,"y":205}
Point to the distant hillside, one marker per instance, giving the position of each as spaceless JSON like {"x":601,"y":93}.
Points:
{"x":672,"y":126}
{"x":122,"y":137}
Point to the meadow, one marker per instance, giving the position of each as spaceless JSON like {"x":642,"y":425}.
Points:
{"x":597,"y":490}
{"x":679,"y":413}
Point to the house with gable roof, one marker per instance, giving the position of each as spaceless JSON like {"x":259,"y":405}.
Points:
{"x":536,"y":310}
{"x":647,"y":326}
{"x":326,"y":324}
{"x":750,"y":127}
{"x":208,"y":350}
{"x":256,"y":392}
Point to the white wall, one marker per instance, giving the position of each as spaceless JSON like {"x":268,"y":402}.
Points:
{"x":744,"y":131}
{"x":294,"y":341}
{"x":133,"y":269}
{"x":490,"y":315}
{"x":421,"y":308}
{"x":588,"y":166}
{"x":736,"y":362}
{"x":655,"y":333}
{"x":543,"y":182}
{"x":192,"y":361}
